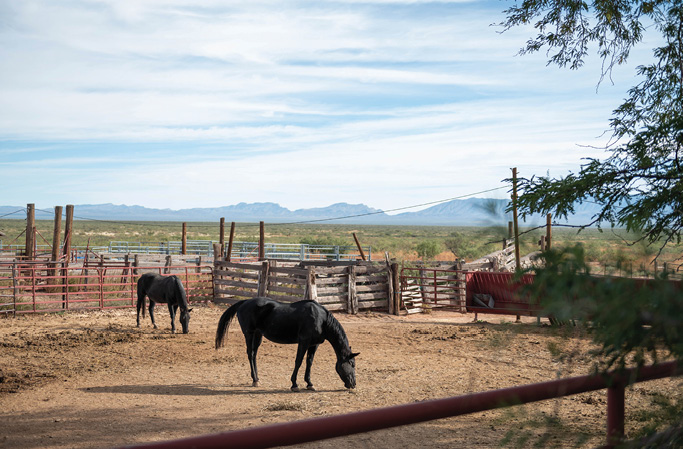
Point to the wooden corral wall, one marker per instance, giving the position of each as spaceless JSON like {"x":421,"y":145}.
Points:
{"x":347,"y":287}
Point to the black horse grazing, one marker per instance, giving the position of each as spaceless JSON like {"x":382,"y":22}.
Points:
{"x":305,"y":323}
{"x":166,"y":290}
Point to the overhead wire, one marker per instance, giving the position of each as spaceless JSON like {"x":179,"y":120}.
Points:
{"x":161,"y":224}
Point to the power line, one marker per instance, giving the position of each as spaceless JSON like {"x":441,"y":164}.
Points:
{"x":390,"y":210}
{"x":12,"y":213}
{"x":431,"y":203}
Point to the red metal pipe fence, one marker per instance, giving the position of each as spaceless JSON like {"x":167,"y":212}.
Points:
{"x":316,"y":429}
{"x":49,"y":287}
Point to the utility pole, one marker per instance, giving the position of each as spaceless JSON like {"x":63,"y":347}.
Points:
{"x":262,"y":241}
{"x":30,"y":231}
{"x":221,"y":239}
{"x":55,"y":234}
{"x":228,"y":253}
{"x":514,"y":218}
{"x":183,"y":248}
{"x":68,"y":230}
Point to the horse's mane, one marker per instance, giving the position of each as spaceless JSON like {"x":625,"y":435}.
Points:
{"x":336,"y":334}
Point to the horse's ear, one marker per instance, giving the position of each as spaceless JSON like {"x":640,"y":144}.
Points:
{"x":352,"y":356}
{"x":189,"y":310}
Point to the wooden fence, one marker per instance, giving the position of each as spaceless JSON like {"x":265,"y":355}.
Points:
{"x":344,"y":286}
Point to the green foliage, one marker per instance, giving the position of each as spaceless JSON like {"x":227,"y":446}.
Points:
{"x":428,"y":249}
{"x":633,"y":322}
{"x":664,"y":409}
{"x":324,"y":240}
{"x":640,"y":186}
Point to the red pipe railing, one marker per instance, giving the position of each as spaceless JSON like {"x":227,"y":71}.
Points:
{"x":305,"y":431}
{"x":34,"y":287}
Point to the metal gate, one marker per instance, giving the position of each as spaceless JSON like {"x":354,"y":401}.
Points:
{"x":426,"y":288}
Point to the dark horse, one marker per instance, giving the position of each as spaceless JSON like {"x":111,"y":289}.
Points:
{"x":166,"y":290}
{"x":305,"y":323}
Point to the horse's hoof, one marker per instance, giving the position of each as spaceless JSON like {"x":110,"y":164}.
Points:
{"x":296,"y":389}
{"x":310,"y":387}
{"x":254,"y":384}
{"x":137,"y":326}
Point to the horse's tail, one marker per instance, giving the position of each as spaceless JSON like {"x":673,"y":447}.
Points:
{"x":224,"y":323}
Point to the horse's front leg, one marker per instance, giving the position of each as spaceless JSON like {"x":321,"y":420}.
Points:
{"x":171,"y":311}
{"x":309,"y":363}
{"x":151,"y":313}
{"x":300,"y":352}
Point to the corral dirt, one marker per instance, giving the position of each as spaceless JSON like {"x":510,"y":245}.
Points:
{"x":92,"y":379}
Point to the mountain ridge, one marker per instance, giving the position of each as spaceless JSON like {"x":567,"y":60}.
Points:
{"x":467,"y":212}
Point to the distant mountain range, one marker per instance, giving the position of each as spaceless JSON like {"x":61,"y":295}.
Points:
{"x":468,"y":212}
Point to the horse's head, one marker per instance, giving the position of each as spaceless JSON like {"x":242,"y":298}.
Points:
{"x":346,"y":368}
{"x":185,"y":320}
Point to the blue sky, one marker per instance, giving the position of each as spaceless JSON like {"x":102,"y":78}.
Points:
{"x":182,"y":103}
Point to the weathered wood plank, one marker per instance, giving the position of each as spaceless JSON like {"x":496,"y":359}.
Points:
{"x":329,"y":290}
{"x":235,"y":292}
{"x":369,"y":296}
{"x":231,"y":283}
{"x":332,"y":280}
{"x":286,"y":298}
{"x":371,"y":288}
{"x":365,"y":278}
{"x":286,"y":280}
{"x":236,"y":274}
{"x":290,"y":271}
{"x":278,"y":289}
{"x":245,"y":266}
{"x":372,"y":304}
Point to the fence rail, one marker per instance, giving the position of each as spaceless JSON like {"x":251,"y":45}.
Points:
{"x":51,"y":287}
{"x":316,"y":429}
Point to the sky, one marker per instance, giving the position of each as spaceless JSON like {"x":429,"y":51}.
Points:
{"x":182,"y":103}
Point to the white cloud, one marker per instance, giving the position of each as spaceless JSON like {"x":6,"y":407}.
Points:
{"x":376,"y":102}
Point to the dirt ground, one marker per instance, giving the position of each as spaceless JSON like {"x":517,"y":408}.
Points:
{"x":92,"y":379}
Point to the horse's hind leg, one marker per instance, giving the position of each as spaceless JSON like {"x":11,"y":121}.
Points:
{"x":309,"y":363}
{"x":172,"y":311}
{"x":253,"y":342}
{"x":151,"y":313}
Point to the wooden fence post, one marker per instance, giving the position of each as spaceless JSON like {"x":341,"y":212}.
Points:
{"x":55,"y":242}
{"x":360,"y":248}
{"x":548,"y":231}
{"x":461,"y":283}
{"x":263,"y":278}
{"x":232,"y":237}
{"x":352,"y":303}
{"x":397,"y":288}
{"x":168,"y":264}
{"x":68,"y":230}
{"x":311,"y":288}
{"x":30,"y":231}
{"x":221,"y":238}
{"x":261,"y":241}
{"x":183,"y":249}
{"x":390,"y":285}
